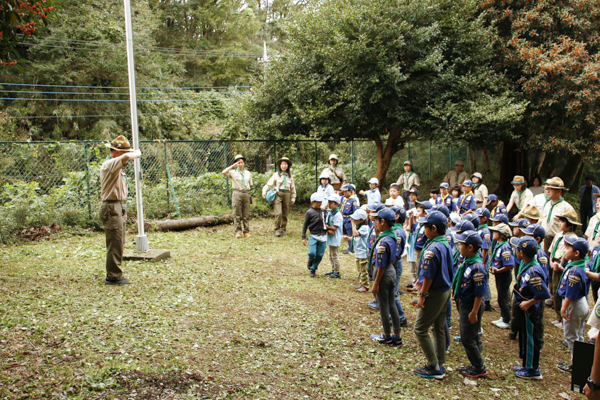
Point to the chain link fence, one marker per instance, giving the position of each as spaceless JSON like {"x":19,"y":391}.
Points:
{"x":46,"y":182}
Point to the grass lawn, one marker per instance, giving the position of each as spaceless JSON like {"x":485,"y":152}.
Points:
{"x":222,"y":319}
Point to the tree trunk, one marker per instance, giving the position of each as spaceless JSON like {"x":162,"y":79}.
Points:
{"x":569,"y":172}
{"x":548,"y":170}
{"x":536,"y":166}
{"x":485,"y":155}
{"x":513,"y":162}
{"x":472,"y":159}
{"x":384,"y":155}
{"x":190,"y":223}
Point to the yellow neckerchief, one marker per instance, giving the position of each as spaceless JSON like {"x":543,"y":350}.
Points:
{"x":444,"y":197}
{"x":345,"y":201}
{"x":464,"y":198}
{"x":406,"y":178}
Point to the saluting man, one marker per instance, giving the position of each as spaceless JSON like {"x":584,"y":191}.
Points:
{"x":113,"y":192}
{"x":241,"y":181}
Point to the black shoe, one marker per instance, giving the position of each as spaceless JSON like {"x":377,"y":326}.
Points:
{"x":512,"y":336}
{"x":409,"y":286}
{"x":122,"y":281}
{"x":346,"y":251}
{"x":313,"y":273}
{"x":565,"y":367}
{"x":404,"y":323}
{"x":488,"y":306}
{"x":308,"y":264}
{"x":329,"y":273}
{"x":335,"y":275}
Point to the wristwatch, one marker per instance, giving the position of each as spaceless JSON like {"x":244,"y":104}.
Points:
{"x":421,"y":294}
{"x":592,"y":385}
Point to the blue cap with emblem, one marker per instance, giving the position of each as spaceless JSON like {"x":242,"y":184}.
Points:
{"x":351,"y":187}
{"x":441,"y":208}
{"x":400,"y":212}
{"x":318,"y":197}
{"x":433,"y":218}
{"x":445,"y":185}
{"x":520,"y":223}
{"x":463,"y":226}
{"x":578,"y":244}
{"x":345,"y":187}
{"x":426,"y":204}
{"x":473,"y":218}
{"x":359,"y":214}
{"x":376,"y":206}
{"x":502,"y":218}
{"x":467,"y":182}
{"x":528,"y":246}
{"x":469,"y":238}
{"x":534,"y":230}
{"x":483,"y":212}
{"x":491,"y":197}
{"x":388,"y":216}
{"x":514,"y":242}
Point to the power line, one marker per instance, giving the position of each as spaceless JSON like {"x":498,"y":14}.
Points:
{"x":103,"y":115}
{"x":126,"y":87}
{"x":105,"y":100}
{"x":114,"y":94}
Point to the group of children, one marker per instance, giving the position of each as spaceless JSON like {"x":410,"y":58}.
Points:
{"x":452,"y":246}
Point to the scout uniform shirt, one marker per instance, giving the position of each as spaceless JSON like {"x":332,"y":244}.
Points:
{"x":481,"y":192}
{"x":544,"y":261}
{"x":113,"y":182}
{"x":421,"y":238}
{"x":466,"y":202}
{"x":436,"y":265}
{"x":499,"y":209}
{"x":531,"y":285}
{"x":240,"y":180}
{"x":448,"y":201}
{"x":502,"y":256}
{"x":407,"y":180}
{"x":473,"y":282}
{"x":349,"y":205}
{"x":282,"y":181}
{"x":592,"y":233}
{"x":401,"y":242}
{"x":325,"y":191}
{"x":548,"y":222}
{"x":373,"y":196}
{"x":337,"y":174}
{"x":486,"y":240}
{"x":334,"y":218}
{"x":372,"y":236}
{"x":384,"y":256}
{"x":453,"y":178}
{"x":361,"y":247}
{"x":522,"y":199}
{"x":557,"y":248}
{"x":574,"y":284}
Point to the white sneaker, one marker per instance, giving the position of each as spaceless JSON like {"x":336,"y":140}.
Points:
{"x":559,"y":325}
{"x":497,"y":321}
{"x":555,"y":322}
{"x":503,"y":325}
{"x":480,"y":331}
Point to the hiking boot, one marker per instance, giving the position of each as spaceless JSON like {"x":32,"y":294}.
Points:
{"x":488,"y":306}
{"x":335,"y":275}
{"x":122,"y":281}
{"x":396,"y":341}
{"x":429,"y":372}
{"x":277,"y":233}
{"x":362,"y":289}
{"x":238,"y":235}
{"x":565,"y":367}
{"x":529,"y":374}
{"x":473,"y":372}
{"x":247,"y":235}
{"x":313,"y":273}
{"x":329,"y":273}
{"x":404,"y":323}
{"x":308,"y":264}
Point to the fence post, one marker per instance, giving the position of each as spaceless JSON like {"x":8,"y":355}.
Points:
{"x":226,"y":178}
{"x":87,"y":180}
{"x":172,"y":189}
{"x":167,"y":176}
{"x":352,"y":161}
{"x":450,"y":157}
{"x":316,"y":173}
{"x":430,"y":159}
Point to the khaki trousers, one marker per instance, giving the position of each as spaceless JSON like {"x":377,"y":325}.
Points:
{"x":113,"y":218}
{"x":362,"y":264}
{"x":241,"y":211}
{"x":281,"y":206}
{"x":334,"y":258}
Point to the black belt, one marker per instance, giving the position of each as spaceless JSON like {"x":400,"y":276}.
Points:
{"x":284,"y":191}
{"x":242,"y":191}
{"x":346,"y":215}
{"x":114,"y":201}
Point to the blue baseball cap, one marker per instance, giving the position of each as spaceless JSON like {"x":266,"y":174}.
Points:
{"x":528,"y":246}
{"x":316,"y":197}
{"x":351,"y":187}
{"x":445,"y":185}
{"x":345,"y":187}
{"x":376,"y":206}
{"x":425,"y":204}
{"x":359,"y":214}
{"x":502,"y":218}
{"x":441,"y":208}
{"x":433,"y":218}
{"x":469,"y":238}
{"x":514,"y":242}
{"x":388,"y":216}
{"x":467,"y":182}
{"x":520,"y":223}
{"x":483,"y":212}
{"x":534,"y":230}
{"x":400,"y":212}
{"x":474,"y":218}
{"x":578,"y":244}
{"x":463,"y":226}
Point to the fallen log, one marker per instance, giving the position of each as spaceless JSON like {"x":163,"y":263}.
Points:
{"x":191,"y":223}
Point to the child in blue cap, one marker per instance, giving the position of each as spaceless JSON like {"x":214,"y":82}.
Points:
{"x":502,"y":263}
{"x":401,"y":237}
{"x":381,"y":259}
{"x":466,"y":201}
{"x":350,"y":204}
{"x":468,"y":289}
{"x":573,"y":288}
{"x":314,"y":222}
{"x":435,"y":279}
{"x":445,"y":197}
{"x":335,"y":224}
{"x":360,"y":233}
{"x":497,"y":205}
{"x":530,"y":291}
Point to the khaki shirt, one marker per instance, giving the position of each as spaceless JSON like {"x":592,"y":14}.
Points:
{"x":593,"y":237}
{"x":406,"y":181}
{"x":522,"y":200}
{"x":236,"y":179}
{"x":336,"y":178}
{"x":548,"y":222}
{"x":277,"y":182}
{"x":113,"y":183}
{"x":480,"y":194}
{"x":559,"y":241}
{"x":453,"y":178}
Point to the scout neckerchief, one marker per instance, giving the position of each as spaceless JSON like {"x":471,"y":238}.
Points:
{"x":578,"y":264}
{"x":498,"y":204}
{"x":464,"y":198}
{"x":596,"y":265}
{"x":406,"y":178}
{"x":345,"y":201}
{"x":389,"y":233}
{"x":331,"y":214}
{"x":596,"y":228}
{"x":412,"y":237}
{"x":438,"y":239}
{"x":519,"y":197}
{"x":334,"y":174}
{"x":552,"y":207}
{"x":444,"y":197}
{"x":484,"y":226}
{"x":461,"y":270}
{"x":243,"y":177}
{"x":523,"y":267}
{"x":498,"y":245}
{"x":284,"y":183}
{"x":560,"y":239}
{"x":476,"y":185}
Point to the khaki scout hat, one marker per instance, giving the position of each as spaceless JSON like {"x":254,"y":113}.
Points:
{"x":287,"y":160}
{"x":408,"y":162}
{"x":555,"y":183}
{"x":596,"y":195}
{"x":119,"y":144}
{"x":459,"y":162}
{"x":503,"y":229}
{"x":570,"y":215}
{"x":531,"y":212}
{"x":518,"y":180}
{"x":239,"y":157}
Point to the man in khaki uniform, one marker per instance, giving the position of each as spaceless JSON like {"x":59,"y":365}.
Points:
{"x":113,"y":192}
{"x":592,"y":232}
{"x":337,"y":176}
{"x":555,"y":205}
{"x":241,"y":181}
{"x":407,"y":180}
{"x":457,"y":176}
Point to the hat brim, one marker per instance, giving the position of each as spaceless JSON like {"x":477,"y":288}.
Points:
{"x":287,"y":160}
{"x":110,"y":146}
{"x":531,"y":216}
{"x":597,"y":195}
{"x":239,"y":158}
{"x":555,"y":187}
{"x":518,"y":183}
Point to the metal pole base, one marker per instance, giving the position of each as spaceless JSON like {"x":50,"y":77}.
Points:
{"x":141,"y":244}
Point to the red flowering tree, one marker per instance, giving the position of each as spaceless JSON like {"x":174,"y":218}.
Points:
{"x":19,"y":21}
{"x":550,"y":51}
